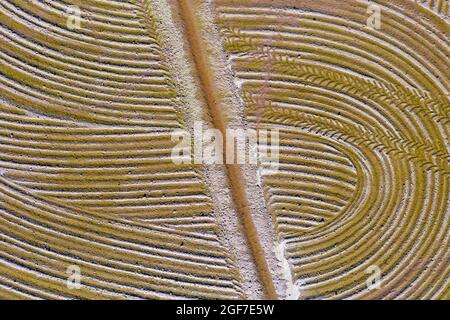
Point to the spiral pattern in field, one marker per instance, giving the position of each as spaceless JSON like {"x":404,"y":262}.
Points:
{"x":364,"y":118}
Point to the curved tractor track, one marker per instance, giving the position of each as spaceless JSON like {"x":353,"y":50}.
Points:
{"x":87,"y":178}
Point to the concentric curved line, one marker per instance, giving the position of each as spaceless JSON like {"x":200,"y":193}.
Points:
{"x":316,"y":71}
{"x":87,"y":177}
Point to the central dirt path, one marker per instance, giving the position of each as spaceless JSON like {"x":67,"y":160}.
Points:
{"x":235,"y":175}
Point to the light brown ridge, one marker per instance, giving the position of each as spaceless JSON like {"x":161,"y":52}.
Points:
{"x":235,"y":175}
